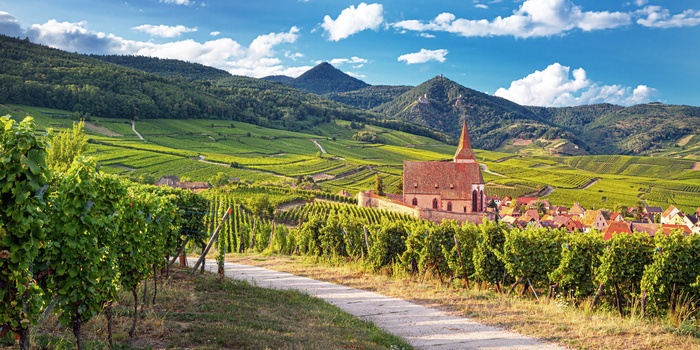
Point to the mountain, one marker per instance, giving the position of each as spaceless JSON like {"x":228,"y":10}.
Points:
{"x":442,"y":104}
{"x":612,"y":129}
{"x":369,"y":97}
{"x":166,"y":67}
{"x":283,"y":79}
{"x":322,"y":79}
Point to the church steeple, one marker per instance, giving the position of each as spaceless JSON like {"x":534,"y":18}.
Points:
{"x":464,"y":149}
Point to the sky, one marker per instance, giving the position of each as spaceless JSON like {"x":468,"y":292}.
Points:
{"x":533,"y":52}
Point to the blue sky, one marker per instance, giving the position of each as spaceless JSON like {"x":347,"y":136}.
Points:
{"x":534,"y":52}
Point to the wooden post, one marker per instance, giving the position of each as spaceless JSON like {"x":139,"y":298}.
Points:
{"x":252,"y":234}
{"x":179,"y":252}
{"x":211,"y":241}
{"x":533,"y":289}
{"x":364,"y":229}
{"x":619,"y":299}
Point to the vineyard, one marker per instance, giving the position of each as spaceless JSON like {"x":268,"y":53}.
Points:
{"x":71,"y":239}
{"x":366,"y":215}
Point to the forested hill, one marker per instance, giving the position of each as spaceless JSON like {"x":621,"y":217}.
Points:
{"x":322,"y":79}
{"x":369,"y":97}
{"x":40,"y":76}
{"x":166,"y":67}
{"x":442,"y":104}
{"x":611,"y":129}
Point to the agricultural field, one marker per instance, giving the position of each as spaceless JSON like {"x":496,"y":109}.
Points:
{"x":199,"y":149}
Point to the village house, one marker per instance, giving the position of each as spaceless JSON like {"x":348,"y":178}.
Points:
{"x":616,"y":227}
{"x":577,"y":209}
{"x":593,"y":220}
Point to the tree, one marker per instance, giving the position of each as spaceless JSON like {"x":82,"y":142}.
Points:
{"x":65,"y":147}
{"x":261,"y":206}
{"x":379,"y":184}
{"x":541,"y":208}
{"x":220,"y":179}
{"x":640,"y":211}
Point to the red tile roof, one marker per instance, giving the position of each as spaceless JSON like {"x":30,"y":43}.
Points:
{"x":616,"y":227}
{"x":448,"y":179}
{"x":464,"y":149}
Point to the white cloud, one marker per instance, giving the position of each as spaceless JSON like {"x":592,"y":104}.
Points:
{"x":640,"y":2}
{"x":427,"y":35}
{"x":424,"y":56}
{"x":655,"y":16}
{"x":553,"y":87}
{"x":294,"y":56}
{"x":9,"y":25}
{"x":356,"y":75}
{"x":352,"y":60}
{"x":164,"y":31}
{"x":257,"y":60}
{"x":178,"y":2}
{"x":214,"y":33}
{"x":481,"y":6}
{"x":353,"y":20}
{"x":534,"y":18}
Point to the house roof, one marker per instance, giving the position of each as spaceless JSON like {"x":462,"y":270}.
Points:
{"x":589,"y":217}
{"x":667,"y":228}
{"x":577,"y":209}
{"x":464,"y":148}
{"x":506,"y":210}
{"x":654,"y":210}
{"x":651,"y":229}
{"x":616,"y":227}
{"x":533,"y":213}
{"x":561,"y":220}
{"x":525,"y":200}
{"x":448,"y":179}
{"x":669,"y":211}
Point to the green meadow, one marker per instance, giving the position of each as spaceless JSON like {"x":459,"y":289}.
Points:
{"x":199,"y":149}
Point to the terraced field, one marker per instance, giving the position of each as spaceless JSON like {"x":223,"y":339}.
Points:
{"x":199,"y":149}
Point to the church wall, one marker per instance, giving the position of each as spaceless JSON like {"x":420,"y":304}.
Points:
{"x":368,"y":199}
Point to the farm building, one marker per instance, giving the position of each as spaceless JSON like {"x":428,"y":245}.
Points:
{"x":456,"y":186}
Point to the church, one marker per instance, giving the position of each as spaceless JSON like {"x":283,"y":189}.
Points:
{"x":456,"y":186}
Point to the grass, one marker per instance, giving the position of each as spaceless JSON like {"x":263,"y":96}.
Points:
{"x":202,"y":312}
{"x":551,"y":320}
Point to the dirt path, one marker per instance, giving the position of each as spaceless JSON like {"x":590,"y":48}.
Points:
{"x":423,"y":327}
{"x":590,"y":183}
{"x":485,"y":168}
{"x":133,"y":127}
{"x":319,"y":146}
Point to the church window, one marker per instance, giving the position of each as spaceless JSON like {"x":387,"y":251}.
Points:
{"x":474,"y":201}
{"x":435,"y":203}
{"x":481,"y":200}
{"x":449,"y":206}
{"x":415,"y":185}
{"x":414,"y":201}
{"x":452,"y":186}
{"x":465,"y":209}
{"x":436,"y":185}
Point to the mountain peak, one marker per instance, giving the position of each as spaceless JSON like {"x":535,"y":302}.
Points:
{"x":325,"y":78}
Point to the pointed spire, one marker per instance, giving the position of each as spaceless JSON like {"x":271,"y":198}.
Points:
{"x":464,"y":149}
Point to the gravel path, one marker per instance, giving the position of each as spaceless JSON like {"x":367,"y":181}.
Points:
{"x":423,"y":327}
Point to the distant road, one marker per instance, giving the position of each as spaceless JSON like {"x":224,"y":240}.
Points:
{"x":319,"y":146}
{"x":133,"y":127}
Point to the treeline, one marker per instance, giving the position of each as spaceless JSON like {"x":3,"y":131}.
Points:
{"x":169,"y":68}
{"x":369,"y":97}
{"x":632,"y":273}
{"x":71,"y":239}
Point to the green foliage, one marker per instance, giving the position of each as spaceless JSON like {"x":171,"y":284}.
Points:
{"x":220,"y":179}
{"x":531,"y":253}
{"x":23,"y":182}
{"x":324,"y":78}
{"x":674,"y":270}
{"x":623,"y":261}
{"x":387,"y":243}
{"x":79,"y":249}
{"x":438,"y":243}
{"x":487,"y":265}
{"x":580,"y":258}
{"x":368,"y":97}
{"x":65,"y":147}
{"x":366,"y":136}
{"x":379,"y":184}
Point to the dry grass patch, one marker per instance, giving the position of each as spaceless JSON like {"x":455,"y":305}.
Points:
{"x":202,"y":312}
{"x":555,"y":320}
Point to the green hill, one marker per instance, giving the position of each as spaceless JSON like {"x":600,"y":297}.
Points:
{"x":369,"y":97}
{"x":442,"y":104}
{"x":321,"y":79}
{"x":166,"y":67}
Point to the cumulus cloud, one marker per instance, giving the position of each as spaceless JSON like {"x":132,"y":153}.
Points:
{"x":657,"y":17}
{"x":214,"y":33}
{"x":164,"y":31}
{"x":554,"y":87}
{"x":353,"y":20}
{"x":352,"y":60}
{"x":178,"y":2}
{"x":9,"y":25}
{"x":534,"y":18}
{"x":640,"y":2}
{"x":481,"y":6}
{"x":424,"y":56}
{"x":427,"y":35}
{"x":257,"y":60}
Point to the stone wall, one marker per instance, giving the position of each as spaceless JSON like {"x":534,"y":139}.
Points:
{"x":371,"y":200}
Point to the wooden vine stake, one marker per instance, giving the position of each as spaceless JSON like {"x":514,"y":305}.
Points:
{"x":211,"y":241}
